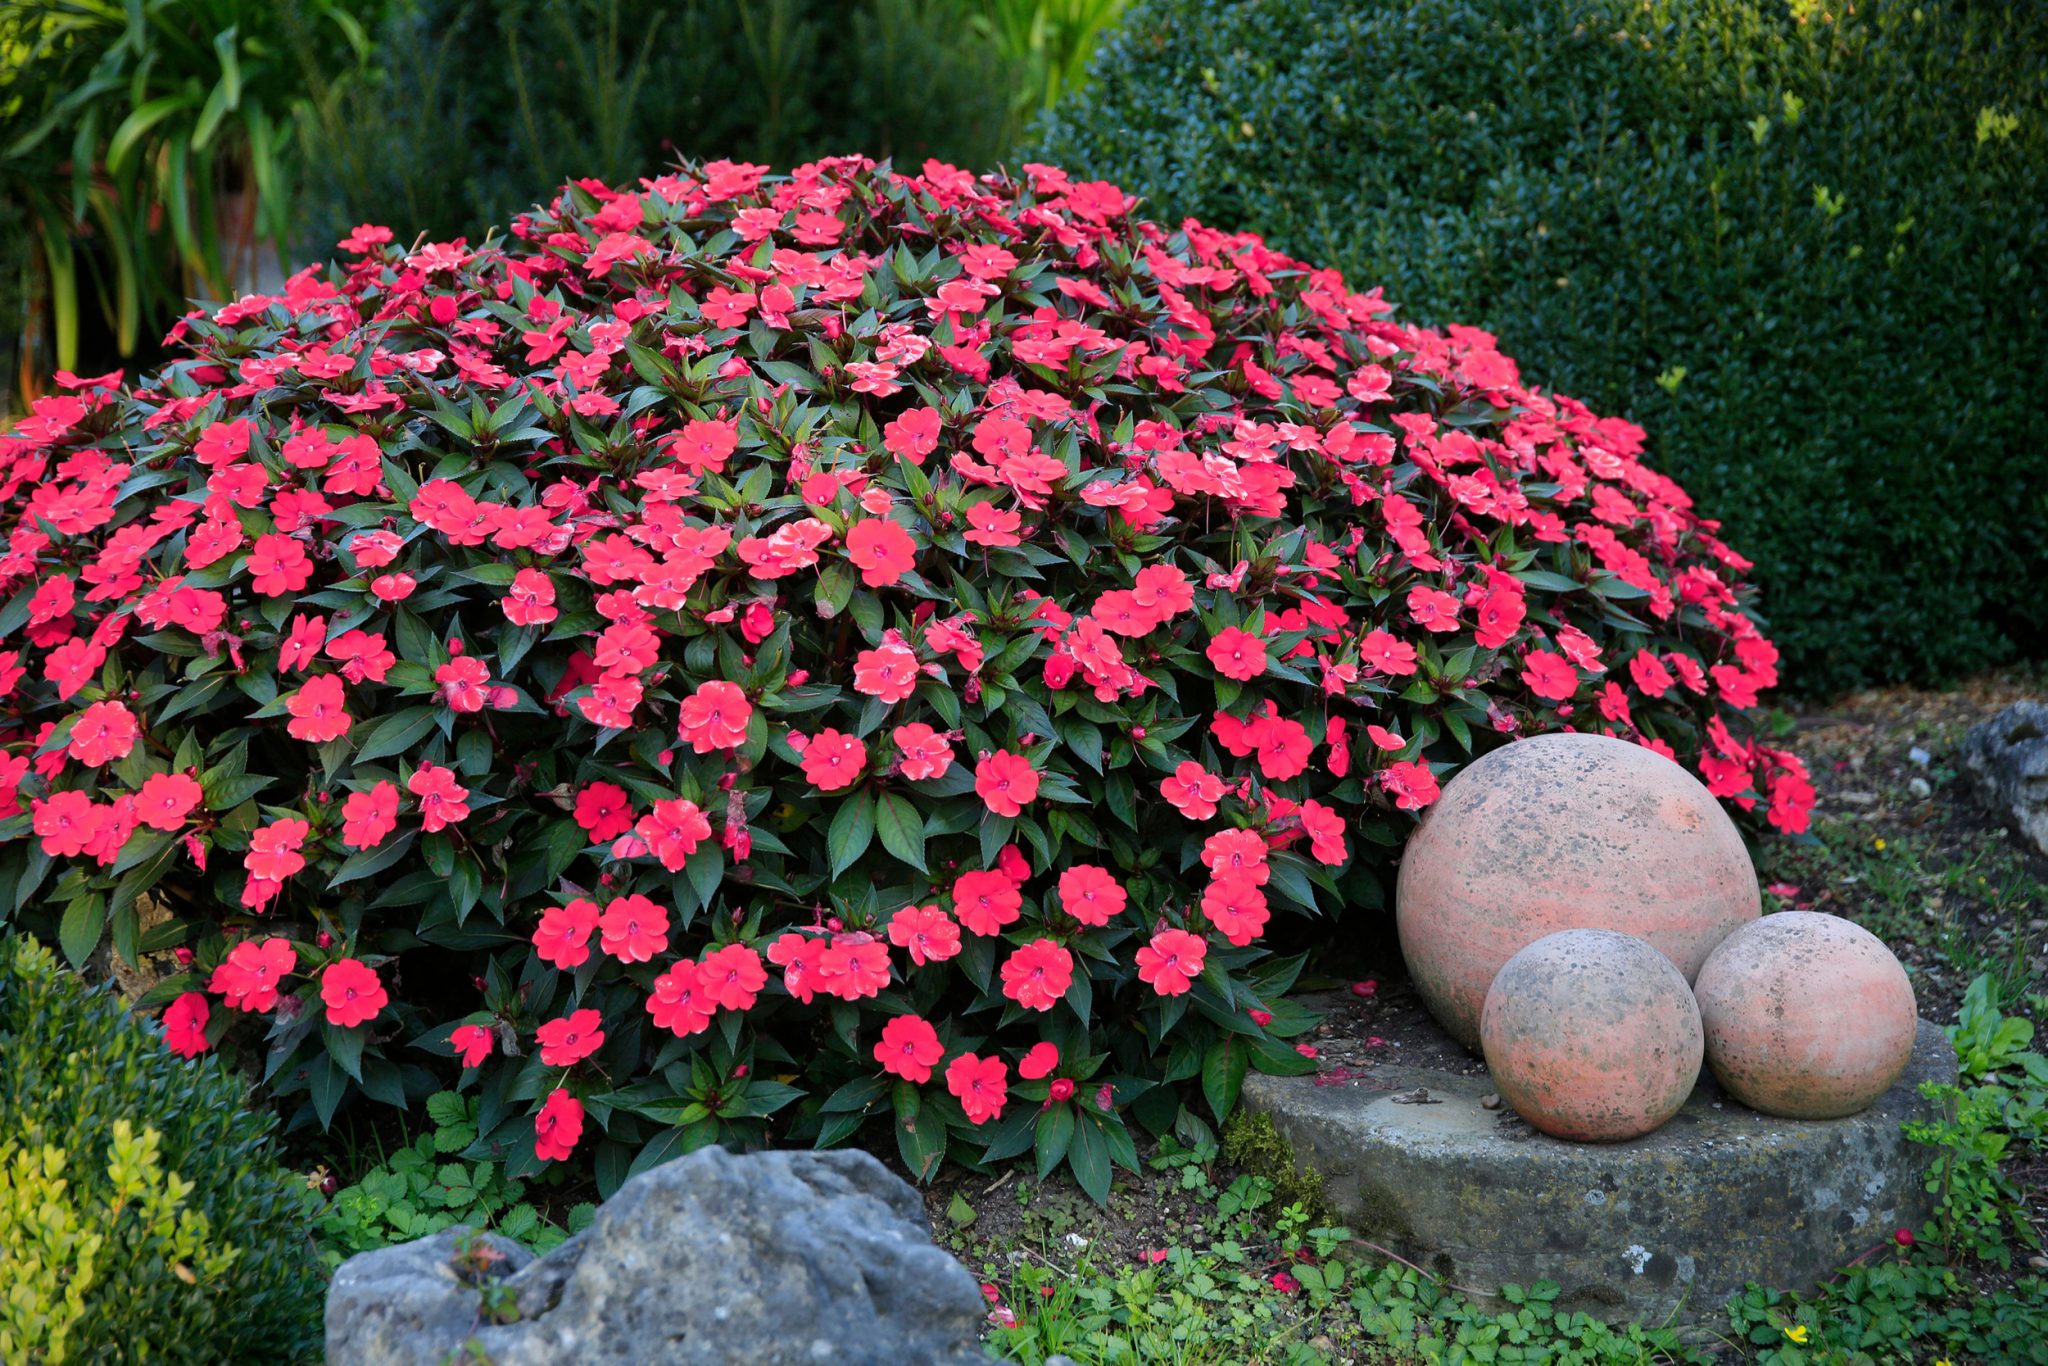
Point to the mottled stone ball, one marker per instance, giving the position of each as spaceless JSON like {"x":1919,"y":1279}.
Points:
{"x":1808,"y":1016}
{"x":1592,"y":1035}
{"x":1561,"y":832}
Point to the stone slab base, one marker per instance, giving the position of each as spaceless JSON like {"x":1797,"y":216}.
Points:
{"x":1660,"y":1229}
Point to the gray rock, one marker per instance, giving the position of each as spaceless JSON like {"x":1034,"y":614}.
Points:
{"x":1662,"y":1228}
{"x":2008,"y":756}
{"x":773,"y":1258}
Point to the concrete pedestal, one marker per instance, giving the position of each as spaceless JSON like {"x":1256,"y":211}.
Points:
{"x":1663,"y":1228}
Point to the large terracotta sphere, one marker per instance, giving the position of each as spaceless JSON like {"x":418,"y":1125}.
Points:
{"x":1807,"y":1015}
{"x":1563,"y":832}
{"x":1592,"y":1035}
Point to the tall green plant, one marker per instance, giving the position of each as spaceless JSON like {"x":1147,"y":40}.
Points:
{"x":1050,"y":39}
{"x":129,"y":127}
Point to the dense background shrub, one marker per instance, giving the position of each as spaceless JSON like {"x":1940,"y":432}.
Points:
{"x":794,"y":648}
{"x":1805,"y":245}
{"x":143,"y":1216}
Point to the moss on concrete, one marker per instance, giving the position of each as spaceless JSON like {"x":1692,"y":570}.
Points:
{"x":1251,"y":1141}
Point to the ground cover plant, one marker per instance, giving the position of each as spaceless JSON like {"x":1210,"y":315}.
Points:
{"x":1700,"y":214}
{"x":759,"y":656}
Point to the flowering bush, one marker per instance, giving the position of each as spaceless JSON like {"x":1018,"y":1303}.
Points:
{"x":803,"y":650}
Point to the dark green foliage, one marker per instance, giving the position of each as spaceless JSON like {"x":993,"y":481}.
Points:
{"x":82,"y":1075}
{"x":478,"y":107}
{"x":1807,"y":250}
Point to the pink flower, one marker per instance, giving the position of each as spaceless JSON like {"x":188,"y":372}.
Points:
{"x":801,"y":958}
{"x":1412,"y":784}
{"x":673,"y":831}
{"x":604,"y":811}
{"x":185,"y":1025}
{"x":881,"y":550}
{"x":1042,"y":1058}
{"x":165,"y":799}
{"x":981,"y":1085}
{"x":472,"y":1043}
{"x":318,"y":710}
{"x":633,"y":929}
{"x":274,"y":849}
{"x":888,"y":672}
{"x":1432,"y":609}
{"x":1325,"y":832}
{"x":353,"y":992}
{"x":440,"y":797}
{"x":913,"y":435}
{"x":568,"y":1041}
{"x":1237,"y":654}
{"x":921,"y":752}
{"x":1380,"y":652}
{"x":732,"y":975}
{"x":1193,"y":790}
{"x":250,"y":976}
{"x":990,"y":525}
{"x":67,"y":822}
{"x":1005,"y":782}
{"x":103,"y":732}
{"x":909,"y":1048}
{"x":1172,"y":961}
{"x":1237,"y":908}
{"x":985,"y":902}
{"x":715,"y":717}
{"x":680,"y":1003}
{"x":1037,"y":975}
{"x":1549,"y":676}
{"x":278,"y":565}
{"x":558,"y":1127}
{"x":1091,"y":895}
{"x":530,"y":601}
{"x":926,"y":932}
{"x":854,"y":967}
{"x":367,"y":817}
{"x":833,"y":761}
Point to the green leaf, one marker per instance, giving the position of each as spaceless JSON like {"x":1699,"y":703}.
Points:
{"x":901,"y":829}
{"x":1223,"y":1069}
{"x":78,"y":934}
{"x":920,"y":1135}
{"x":834,"y":590}
{"x":1055,"y":1135}
{"x":1089,"y":1157}
{"x":395,"y":734}
{"x":853,"y":829}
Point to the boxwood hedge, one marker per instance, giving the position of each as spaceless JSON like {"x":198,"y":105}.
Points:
{"x":1805,"y":246}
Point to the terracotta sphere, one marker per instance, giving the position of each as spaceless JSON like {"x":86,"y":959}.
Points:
{"x":1562,"y":832}
{"x":1592,"y":1035}
{"x":1808,"y":1016}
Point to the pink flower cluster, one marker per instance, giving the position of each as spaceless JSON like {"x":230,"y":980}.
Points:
{"x":901,"y":626}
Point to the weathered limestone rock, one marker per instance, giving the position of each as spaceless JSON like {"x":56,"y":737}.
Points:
{"x":1666,"y":1226}
{"x":2008,"y":756}
{"x":773,"y":1258}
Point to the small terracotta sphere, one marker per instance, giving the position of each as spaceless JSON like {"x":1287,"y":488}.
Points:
{"x":1592,"y":1035}
{"x":1808,"y":1016}
{"x":1561,"y":832}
